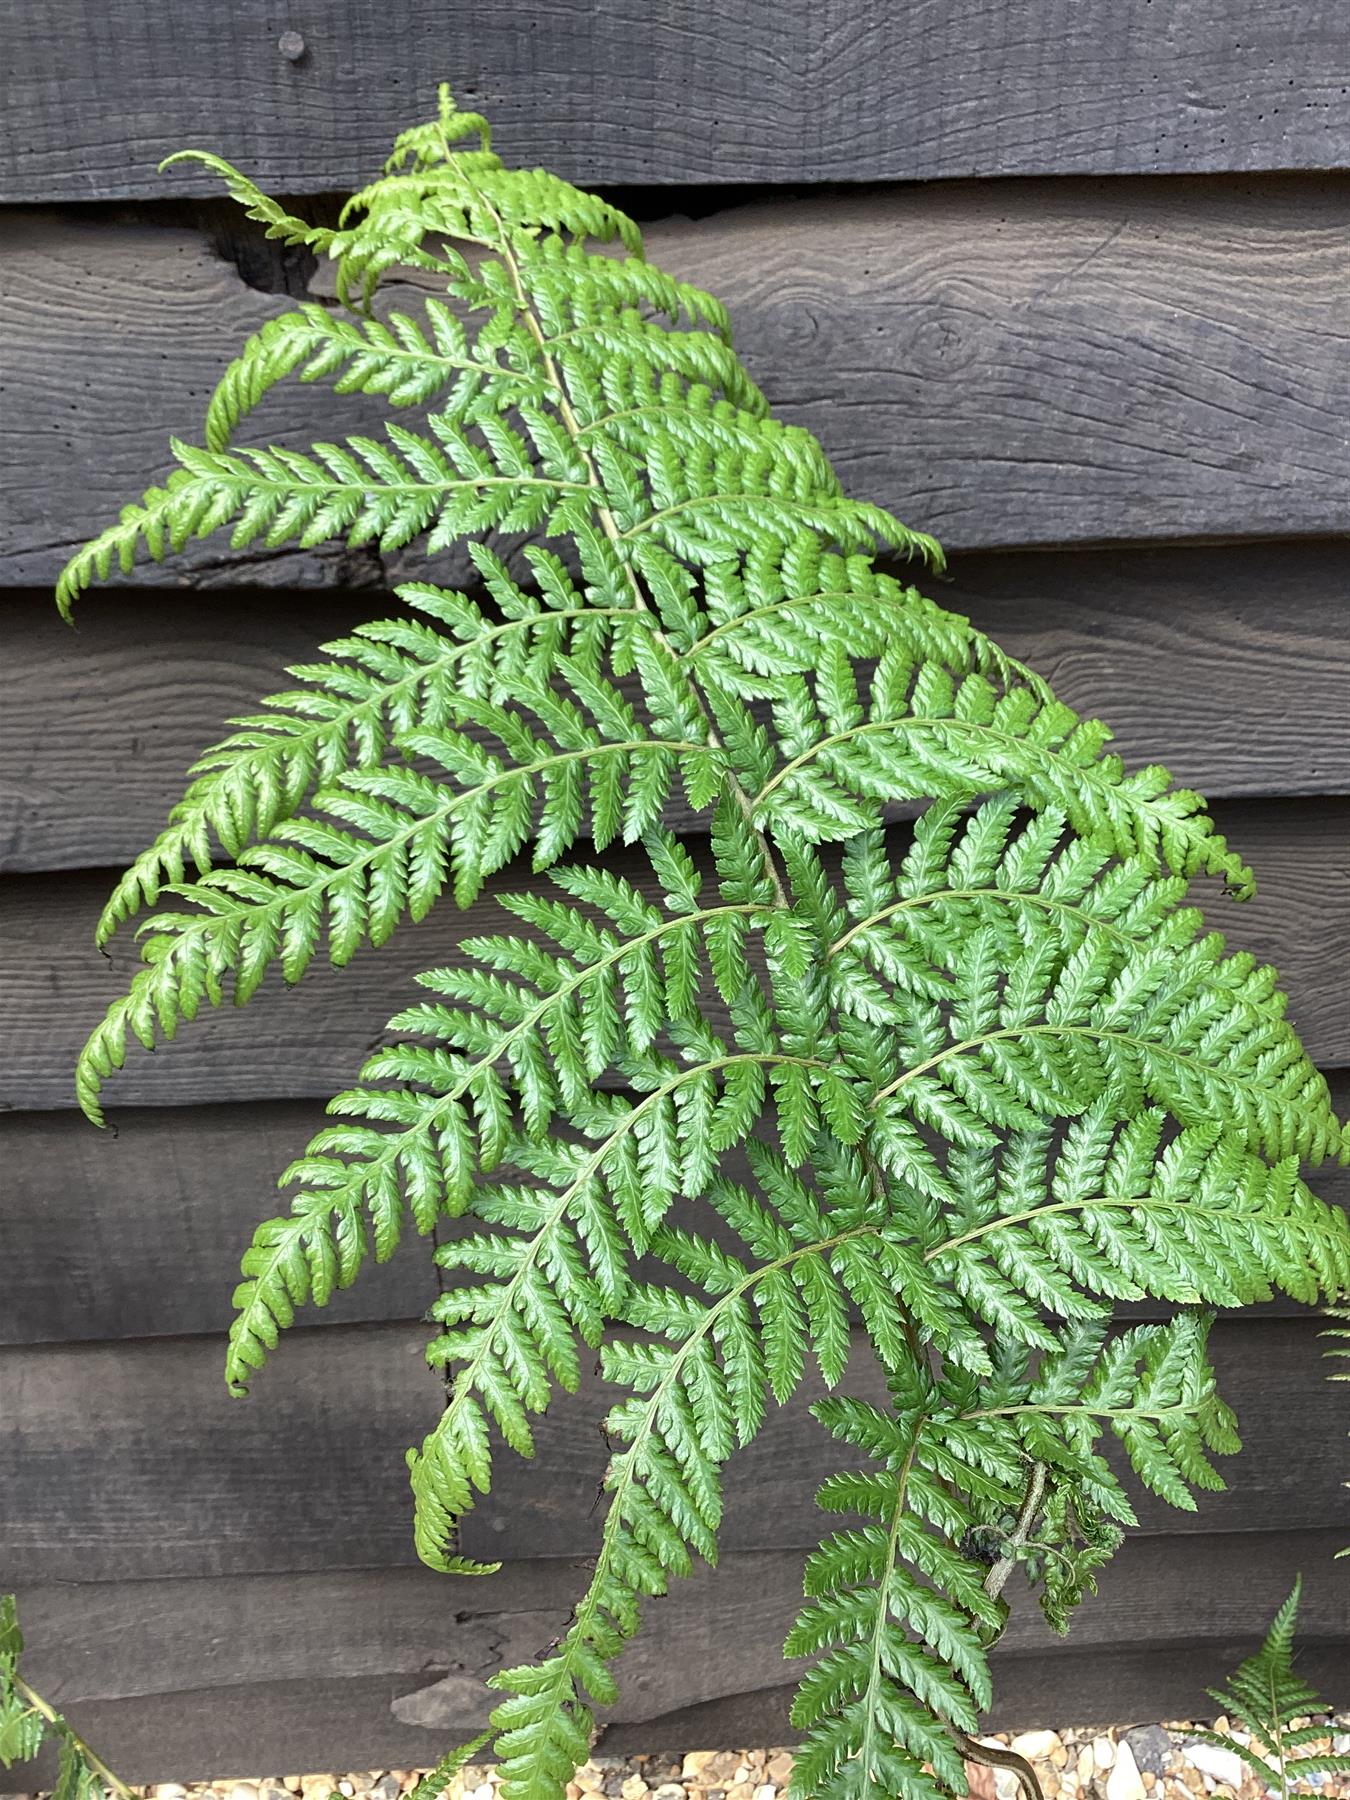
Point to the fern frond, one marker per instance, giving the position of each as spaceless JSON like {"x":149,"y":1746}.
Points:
{"x":699,"y":1379}
{"x":27,"y":1722}
{"x":548,"y":1017}
{"x":388,"y":680}
{"x":1268,"y":1695}
{"x":985,"y":1088}
{"x":365,"y":491}
{"x":391,"y":839}
{"x":1033,"y":983}
{"x":560,"y":1265}
{"x":407,"y":363}
{"x":916,"y":732}
{"x":900,"y":1614}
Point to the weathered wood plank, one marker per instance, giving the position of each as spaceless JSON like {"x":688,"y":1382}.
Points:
{"x":54,"y":985}
{"x":196,"y":1735}
{"x":309,"y":1474}
{"x":1229,"y":665}
{"x":672,"y":93}
{"x":139,"y":1234}
{"x":133,"y":1459}
{"x":1003,"y":365}
{"x":403,"y":1645}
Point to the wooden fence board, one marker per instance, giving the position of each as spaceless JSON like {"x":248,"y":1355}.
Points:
{"x":134,"y":1460}
{"x":1228,"y":665}
{"x":54,"y":985}
{"x":403,"y":1644}
{"x":138,"y":1235}
{"x":1002,"y":365}
{"x":309,"y":1473}
{"x":674,"y":92}
{"x":197,"y":1735}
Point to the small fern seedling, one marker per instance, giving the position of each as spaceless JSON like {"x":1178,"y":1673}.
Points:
{"x":1279,"y":1708}
{"x":982,"y":1079}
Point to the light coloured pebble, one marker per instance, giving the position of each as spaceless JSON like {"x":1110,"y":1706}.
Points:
{"x":766,"y":1791}
{"x":740,"y":1790}
{"x":1103,"y":1752}
{"x":721,"y":1771}
{"x":1006,"y":1785}
{"x":1034,"y":1745}
{"x":669,"y":1790}
{"x":779,"y":1767}
{"x":168,"y":1790}
{"x":1123,"y":1782}
{"x":1085,"y":1766}
{"x":1220,"y":1765}
{"x":634,"y":1788}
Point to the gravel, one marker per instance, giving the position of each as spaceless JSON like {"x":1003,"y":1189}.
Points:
{"x":1137,"y":1762}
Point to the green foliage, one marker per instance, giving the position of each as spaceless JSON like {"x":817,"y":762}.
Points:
{"x":1270,"y":1698}
{"x":436,"y":1780}
{"x":28,"y":1722}
{"x":982,"y":1079}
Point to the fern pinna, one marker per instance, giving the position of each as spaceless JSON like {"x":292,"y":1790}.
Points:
{"x":981,"y":1084}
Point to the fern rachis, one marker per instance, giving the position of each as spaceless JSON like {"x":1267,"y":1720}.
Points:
{"x":986,"y":1085}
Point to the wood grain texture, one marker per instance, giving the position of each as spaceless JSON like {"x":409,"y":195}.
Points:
{"x":403,"y":1645}
{"x":1003,"y":364}
{"x":311,"y":1041}
{"x":134,"y":1461}
{"x":308,"y":1473}
{"x":1231,"y":666}
{"x":676,"y":92}
{"x":197,"y":1734}
{"x":138,"y":1234}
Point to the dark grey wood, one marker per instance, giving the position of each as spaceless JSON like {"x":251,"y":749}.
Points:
{"x":133,"y":1460}
{"x":54,"y":985}
{"x":626,"y":93}
{"x":308,"y":1472}
{"x":253,"y":1666}
{"x":1128,"y":1684}
{"x":1001,"y":364}
{"x":1228,"y":665}
{"x":139,"y":1234}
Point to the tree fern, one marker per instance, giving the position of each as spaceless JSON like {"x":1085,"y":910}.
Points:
{"x":988,"y":1076}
